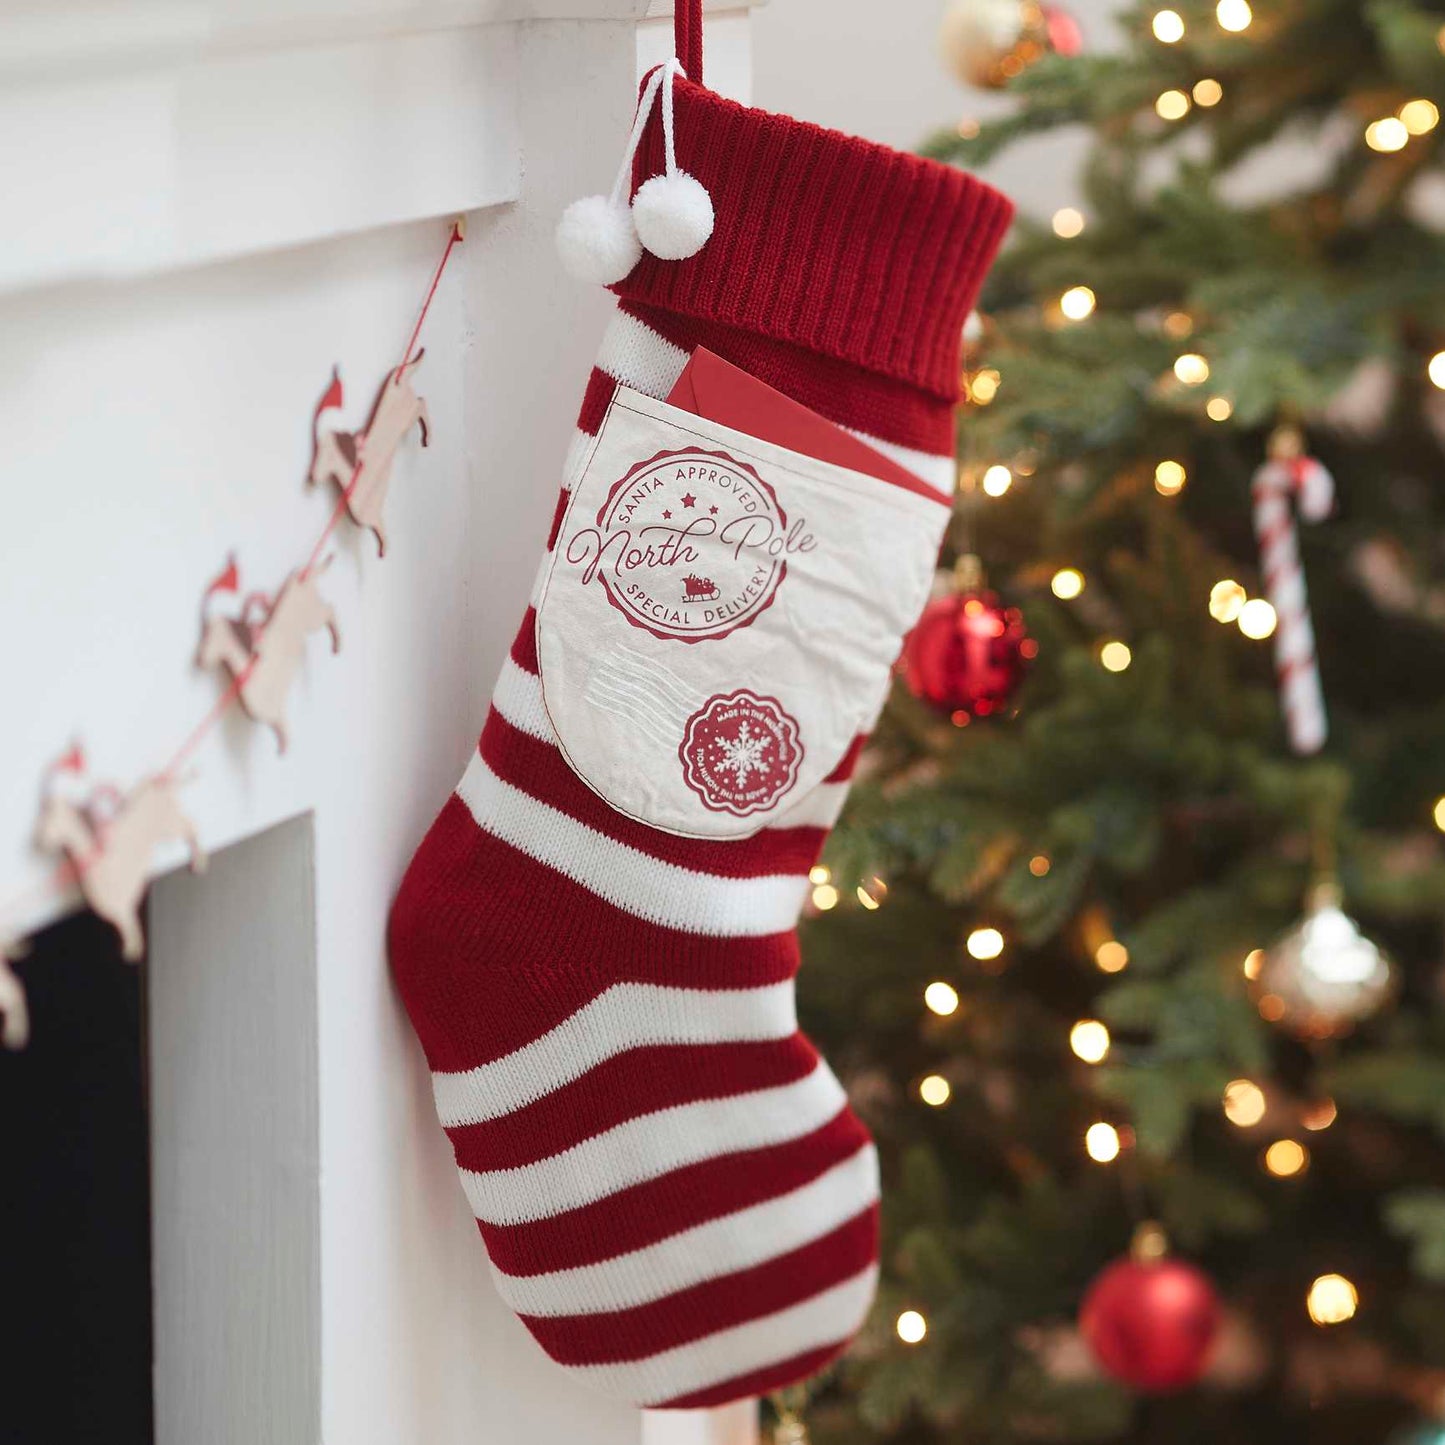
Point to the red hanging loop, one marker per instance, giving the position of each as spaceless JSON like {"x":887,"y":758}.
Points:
{"x":687,"y":37}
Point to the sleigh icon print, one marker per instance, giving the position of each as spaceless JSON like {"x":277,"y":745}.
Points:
{"x":699,"y":589}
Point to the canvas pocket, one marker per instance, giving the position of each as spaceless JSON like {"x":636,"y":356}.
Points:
{"x":720,"y":617}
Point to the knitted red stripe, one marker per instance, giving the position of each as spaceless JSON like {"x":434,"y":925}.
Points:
{"x":634,"y":1218}
{"x":839,"y":390}
{"x":716,"y":1304}
{"x":595,"y":401}
{"x":759,"y":1382}
{"x":540,"y":770}
{"x":639,"y":1082}
{"x":487,"y":934}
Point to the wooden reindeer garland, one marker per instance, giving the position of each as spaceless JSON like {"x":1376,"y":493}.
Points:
{"x":14,"y":1011}
{"x":263,"y":647}
{"x":359,"y":463}
{"x":109,"y":840}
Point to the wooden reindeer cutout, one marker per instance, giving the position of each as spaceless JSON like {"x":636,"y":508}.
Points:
{"x":263,"y":648}
{"x":359,"y":463}
{"x":14,"y":1011}
{"x":110,"y":840}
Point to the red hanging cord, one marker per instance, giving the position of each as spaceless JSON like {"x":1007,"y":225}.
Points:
{"x":687,"y":36}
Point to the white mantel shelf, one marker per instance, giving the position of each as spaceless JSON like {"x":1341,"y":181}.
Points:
{"x":145,"y":137}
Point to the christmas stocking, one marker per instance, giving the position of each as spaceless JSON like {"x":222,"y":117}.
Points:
{"x":595,"y":942}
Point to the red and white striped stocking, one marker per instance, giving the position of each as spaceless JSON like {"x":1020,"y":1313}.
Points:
{"x":674,"y":1194}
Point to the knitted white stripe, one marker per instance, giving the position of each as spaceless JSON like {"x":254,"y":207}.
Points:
{"x":708,"y":1251}
{"x":651,"y":1146}
{"x":825,"y":1319}
{"x":939,"y":471}
{"x":518,"y":697}
{"x":633,"y":881}
{"x":625,"y":1016}
{"x":634,"y":354}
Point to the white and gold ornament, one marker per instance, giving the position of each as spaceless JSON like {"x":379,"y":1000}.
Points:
{"x":1324,"y":976}
{"x":988,"y":42}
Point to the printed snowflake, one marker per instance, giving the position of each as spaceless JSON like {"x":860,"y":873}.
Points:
{"x":746,"y":753}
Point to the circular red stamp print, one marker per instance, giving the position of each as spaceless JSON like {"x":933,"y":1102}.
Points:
{"x":740,"y":753}
{"x":689,"y":545}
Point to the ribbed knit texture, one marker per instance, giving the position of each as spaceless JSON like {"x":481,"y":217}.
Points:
{"x":848,"y":248}
{"x":674,"y":1194}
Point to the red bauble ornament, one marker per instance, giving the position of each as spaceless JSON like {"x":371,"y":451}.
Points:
{"x":968,"y":653}
{"x":1150,"y":1322}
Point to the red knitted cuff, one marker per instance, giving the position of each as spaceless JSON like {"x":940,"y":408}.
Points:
{"x":846,"y":247}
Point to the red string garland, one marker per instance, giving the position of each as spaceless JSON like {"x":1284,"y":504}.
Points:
{"x":70,"y":872}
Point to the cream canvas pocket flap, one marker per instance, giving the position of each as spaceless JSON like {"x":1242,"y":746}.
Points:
{"x":721,"y":616}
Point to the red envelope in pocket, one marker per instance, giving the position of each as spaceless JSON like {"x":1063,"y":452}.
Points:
{"x":716,"y":389}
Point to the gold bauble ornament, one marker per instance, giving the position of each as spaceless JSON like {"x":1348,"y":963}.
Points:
{"x":1324,"y":976}
{"x":988,"y":42}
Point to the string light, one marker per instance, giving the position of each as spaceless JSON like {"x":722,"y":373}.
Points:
{"x":984,"y":944}
{"x":1244,"y":1103}
{"x":1332,"y":1300}
{"x":1168,"y":27}
{"x":1253,"y":962}
{"x":1439,"y":814}
{"x":1419,"y":117}
{"x":1319,"y":1115}
{"x":1208,"y":92}
{"x":934,"y":1090}
{"x":1192,"y":369}
{"x":1219,"y":408}
{"x":1226,"y":600}
{"x":941,"y":997}
{"x":1111,"y":956}
{"x":1272,"y":1008}
{"x":1067,"y":583}
{"x":1068,"y":223}
{"x":872,"y":893}
{"x":1169,"y":478}
{"x":1286,"y":1158}
{"x":1115,"y":656}
{"x":911,"y":1327}
{"x":1077,"y":303}
{"x":1102,"y":1143}
{"x":1039,"y":864}
{"x":825,"y":896}
{"x":1172,"y":105}
{"x":1257,"y":619}
{"x":997,"y":480}
{"x":1233,"y":15}
{"x":819,"y":873}
{"x":1089,"y":1039}
{"x":1178,"y":324}
{"x":984,"y":386}
{"x":1386,"y":135}
{"x":1437,"y":369}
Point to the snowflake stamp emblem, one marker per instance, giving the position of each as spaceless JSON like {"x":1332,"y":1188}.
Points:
{"x":740,"y":753}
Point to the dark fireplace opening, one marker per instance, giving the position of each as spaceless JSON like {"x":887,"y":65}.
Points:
{"x":75,"y":1199}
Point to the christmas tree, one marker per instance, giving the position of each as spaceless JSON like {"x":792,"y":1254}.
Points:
{"x":1085,"y":948}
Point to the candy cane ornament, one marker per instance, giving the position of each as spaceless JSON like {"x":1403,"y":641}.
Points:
{"x":1290,"y":476}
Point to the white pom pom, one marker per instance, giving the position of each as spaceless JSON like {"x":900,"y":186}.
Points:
{"x":674,"y":215}
{"x":597,"y":240}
